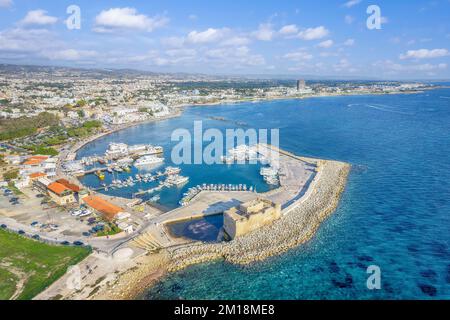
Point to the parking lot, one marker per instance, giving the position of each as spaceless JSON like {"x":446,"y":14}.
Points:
{"x":48,"y":218}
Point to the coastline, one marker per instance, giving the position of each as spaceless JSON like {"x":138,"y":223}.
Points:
{"x":144,"y":271}
{"x":312,"y":210}
{"x":180,"y":109}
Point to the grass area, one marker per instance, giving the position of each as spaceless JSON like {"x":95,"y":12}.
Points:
{"x":110,"y":230}
{"x":14,"y":189}
{"x":8,"y":282}
{"x":41,"y":264}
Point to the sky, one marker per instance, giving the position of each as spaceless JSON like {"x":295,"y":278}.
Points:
{"x":317,"y":38}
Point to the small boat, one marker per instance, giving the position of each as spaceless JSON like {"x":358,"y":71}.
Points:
{"x":100,"y":175}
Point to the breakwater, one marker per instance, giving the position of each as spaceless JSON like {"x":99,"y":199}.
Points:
{"x":294,"y":228}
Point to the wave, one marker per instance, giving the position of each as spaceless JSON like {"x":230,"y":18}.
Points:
{"x":379,"y":107}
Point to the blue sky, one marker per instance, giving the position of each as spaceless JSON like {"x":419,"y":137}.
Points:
{"x":320,"y":38}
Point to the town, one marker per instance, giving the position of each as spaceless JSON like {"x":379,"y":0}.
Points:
{"x":50,"y":114}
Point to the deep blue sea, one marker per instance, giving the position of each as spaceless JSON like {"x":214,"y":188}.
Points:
{"x":394,"y":213}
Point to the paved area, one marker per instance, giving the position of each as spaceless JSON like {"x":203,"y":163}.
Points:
{"x":30,"y":210}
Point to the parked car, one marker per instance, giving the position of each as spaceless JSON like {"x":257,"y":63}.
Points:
{"x":36,"y":237}
{"x":35,"y":224}
{"x":40,"y":195}
{"x":3,"y":226}
{"x":76,"y":213}
{"x":78,"y":243}
{"x":65,"y":243}
{"x":86,"y":234}
{"x":21,"y":232}
{"x":85,"y":213}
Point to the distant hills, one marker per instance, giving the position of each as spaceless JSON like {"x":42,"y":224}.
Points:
{"x":21,"y":70}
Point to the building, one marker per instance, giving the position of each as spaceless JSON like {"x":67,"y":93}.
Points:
{"x":34,"y":161}
{"x":60,"y":194}
{"x":250,"y":216}
{"x":79,"y":193}
{"x":105,"y":208}
{"x":41,"y":183}
{"x":36,"y":164}
{"x":36,"y":175}
{"x":301,"y":85}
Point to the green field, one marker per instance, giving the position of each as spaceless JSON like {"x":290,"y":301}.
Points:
{"x":27,"y":267}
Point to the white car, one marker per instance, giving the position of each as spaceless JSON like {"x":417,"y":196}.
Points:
{"x":85,"y":213}
{"x":76,"y":213}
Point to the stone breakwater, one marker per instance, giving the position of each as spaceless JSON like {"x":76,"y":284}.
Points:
{"x":294,"y":228}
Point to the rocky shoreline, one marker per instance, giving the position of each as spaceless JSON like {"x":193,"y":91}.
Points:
{"x":293,"y":229}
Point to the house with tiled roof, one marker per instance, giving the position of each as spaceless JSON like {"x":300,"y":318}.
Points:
{"x":61,"y":194}
{"x":106,"y":208}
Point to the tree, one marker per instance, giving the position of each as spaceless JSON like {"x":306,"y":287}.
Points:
{"x":11,"y":175}
{"x":81,"y":113}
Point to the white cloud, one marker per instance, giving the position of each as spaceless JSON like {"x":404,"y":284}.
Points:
{"x":38,"y":17}
{"x":392,"y":67}
{"x":236,"y":41}
{"x":349,"y":19}
{"x":69,"y":54}
{"x":344,"y":66}
{"x":352,"y":3}
{"x":299,"y":55}
{"x":349,"y":42}
{"x":6,"y":3}
{"x":207,"y":36}
{"x":288,"y":29}
{"x":127,"y":18}
{"x":181,"y":52}
{"x":314,"y":33}
{"x":326,"y":44}
{"x":26,"y":40}
{"x":235,"y":57}
{"x":264,"y":32}
{"x":174,"y":42}
{"x":425,"y":54}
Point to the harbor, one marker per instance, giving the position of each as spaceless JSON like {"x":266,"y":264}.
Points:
{"x":299,"y":187}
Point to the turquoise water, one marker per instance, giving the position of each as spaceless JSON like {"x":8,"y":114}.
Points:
{"x":159,"y":133}
{"x":394,"y":213}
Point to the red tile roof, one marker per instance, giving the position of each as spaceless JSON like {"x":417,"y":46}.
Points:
{"x":57,"y":188}
{"x":35,"y":160}
{"x":106,"y":208}
{"x":37,"y":175}
{"x":69,"y":185}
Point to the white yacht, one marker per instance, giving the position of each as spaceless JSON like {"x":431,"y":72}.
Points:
{"x":148,"y":160}
{"x":116,"y":150}
{"x":177,"y":180}
{"x":172,"y":170}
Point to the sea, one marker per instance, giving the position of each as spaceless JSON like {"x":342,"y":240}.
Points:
{"x":394,"y":215}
